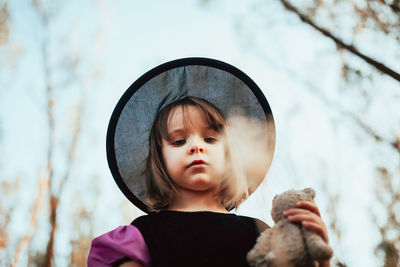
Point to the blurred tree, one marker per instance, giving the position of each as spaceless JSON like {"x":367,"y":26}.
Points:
{"x":377,"y":15}
{"x":362,"y":22}
{"x":7,"y":189}
{"x":9,"y":54}
{"x":46,"y":13}
{"x":376,"y":19}
{"x":4,"y":29}
{"x":60,"y":87}
{"x":83,"y":237}
{"x":4,"y":23}
{"x":332,"y":223}
{"x":388,"y":195}
{"x":53,"y":180}
{"x":56,"y":183}
{"x":32,"y":225}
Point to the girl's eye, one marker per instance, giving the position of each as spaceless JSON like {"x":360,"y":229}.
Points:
{"x":179,"y":142}
{"x":210,"y":140}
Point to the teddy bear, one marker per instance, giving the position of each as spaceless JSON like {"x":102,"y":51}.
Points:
{"x":288,"y":244}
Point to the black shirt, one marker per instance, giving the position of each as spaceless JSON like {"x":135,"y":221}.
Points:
{"x":202,"y":238}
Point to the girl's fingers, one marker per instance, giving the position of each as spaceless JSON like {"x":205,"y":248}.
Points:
{"x":309,"y":217}
{"x":303,"y":217}
{"x":292,"y":212}
{"x":308,"y":206}
{"x":313,"y":223}
{"x":317,"y":228}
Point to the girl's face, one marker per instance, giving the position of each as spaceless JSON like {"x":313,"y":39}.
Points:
{"x":194,"y":153}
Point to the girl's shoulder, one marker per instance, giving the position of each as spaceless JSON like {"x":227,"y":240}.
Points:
{"x":122,"y":244}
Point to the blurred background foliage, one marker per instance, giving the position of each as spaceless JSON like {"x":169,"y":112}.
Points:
{"x":343,"y":56}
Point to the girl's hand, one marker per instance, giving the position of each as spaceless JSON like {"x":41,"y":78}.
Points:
{"x":307,"y":213}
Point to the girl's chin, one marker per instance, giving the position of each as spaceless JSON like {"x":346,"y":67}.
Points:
{"x":201,"y":183}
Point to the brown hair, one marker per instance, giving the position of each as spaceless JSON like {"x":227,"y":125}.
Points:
{"x":161,"y":190}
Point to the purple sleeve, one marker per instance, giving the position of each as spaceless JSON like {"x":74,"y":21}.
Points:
{"x":122,"y":242}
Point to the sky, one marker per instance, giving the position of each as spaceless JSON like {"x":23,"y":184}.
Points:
{"x":112,"y":43}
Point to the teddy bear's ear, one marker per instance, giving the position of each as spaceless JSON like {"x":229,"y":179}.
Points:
{"x":310,"y":192}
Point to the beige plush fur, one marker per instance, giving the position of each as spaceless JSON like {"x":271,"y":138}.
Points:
{"x":288,"y":244}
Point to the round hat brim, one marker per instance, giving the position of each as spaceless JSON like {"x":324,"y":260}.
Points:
{"x":221,"y":84}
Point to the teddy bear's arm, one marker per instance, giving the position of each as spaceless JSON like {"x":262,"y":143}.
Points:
{"x":261,"y":253}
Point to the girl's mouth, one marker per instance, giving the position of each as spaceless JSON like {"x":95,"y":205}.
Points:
{"x":196,"y":162}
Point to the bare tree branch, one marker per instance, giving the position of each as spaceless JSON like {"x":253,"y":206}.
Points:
{"x":395,"y":144}
{"x":25,"y":240}
{"x":56,"y":186}
{"x":378,"y":65}
{"x":53,"y":200}
{"x":394,"y":6}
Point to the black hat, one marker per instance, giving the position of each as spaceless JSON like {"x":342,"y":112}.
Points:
{"x":224,"y":86}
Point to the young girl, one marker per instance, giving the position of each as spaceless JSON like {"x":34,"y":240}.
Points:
{"x":190,"y":190}
{"x":186,"y":184}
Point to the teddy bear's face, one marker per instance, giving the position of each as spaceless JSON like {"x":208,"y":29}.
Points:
{"x":288,"y":200}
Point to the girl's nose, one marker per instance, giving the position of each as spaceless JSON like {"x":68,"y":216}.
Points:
{"x":196,"y":149}
{"x":197,"y":146}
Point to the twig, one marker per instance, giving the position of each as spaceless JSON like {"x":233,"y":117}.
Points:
{"x":378,"y":65}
